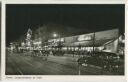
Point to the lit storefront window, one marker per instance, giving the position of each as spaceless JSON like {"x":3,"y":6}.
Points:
{"x":76,"y":48}
{"x":64,"y":48}
{"x":72,"y":48}
{"x":22,"y":44}
{"x":69,"y":48}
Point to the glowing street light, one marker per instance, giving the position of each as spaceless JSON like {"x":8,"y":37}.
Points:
{"x":55,"y":35}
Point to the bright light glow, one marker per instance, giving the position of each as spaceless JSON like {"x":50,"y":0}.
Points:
{"x":84,"y":37}
{"x":54,"y":35}
{"x":76,"y":48}
{"x":65,"y":48}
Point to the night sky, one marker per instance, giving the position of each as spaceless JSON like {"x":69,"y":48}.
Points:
{"x":70,"y":18}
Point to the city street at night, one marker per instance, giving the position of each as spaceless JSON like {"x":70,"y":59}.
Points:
{"x":20,"y":64}
{"x":61,"y":39}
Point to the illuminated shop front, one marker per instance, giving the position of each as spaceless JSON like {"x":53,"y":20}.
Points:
{"x":106,"y":41}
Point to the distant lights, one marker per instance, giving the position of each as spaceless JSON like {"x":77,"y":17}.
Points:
{"x":55,"y":35}
{"x":39,"y":42}
{"x":11,"y":43}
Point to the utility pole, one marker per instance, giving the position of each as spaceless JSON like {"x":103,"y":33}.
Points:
{"x":93,"y":42}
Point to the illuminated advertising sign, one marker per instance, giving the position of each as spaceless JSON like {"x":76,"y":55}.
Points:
{"x":56,"y":40}
{"x":85,"y":37}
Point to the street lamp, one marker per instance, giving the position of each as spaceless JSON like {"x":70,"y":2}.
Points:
{"x":55,"y":35}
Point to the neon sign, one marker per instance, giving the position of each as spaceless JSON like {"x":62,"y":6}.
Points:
{"x":85,"y":37}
